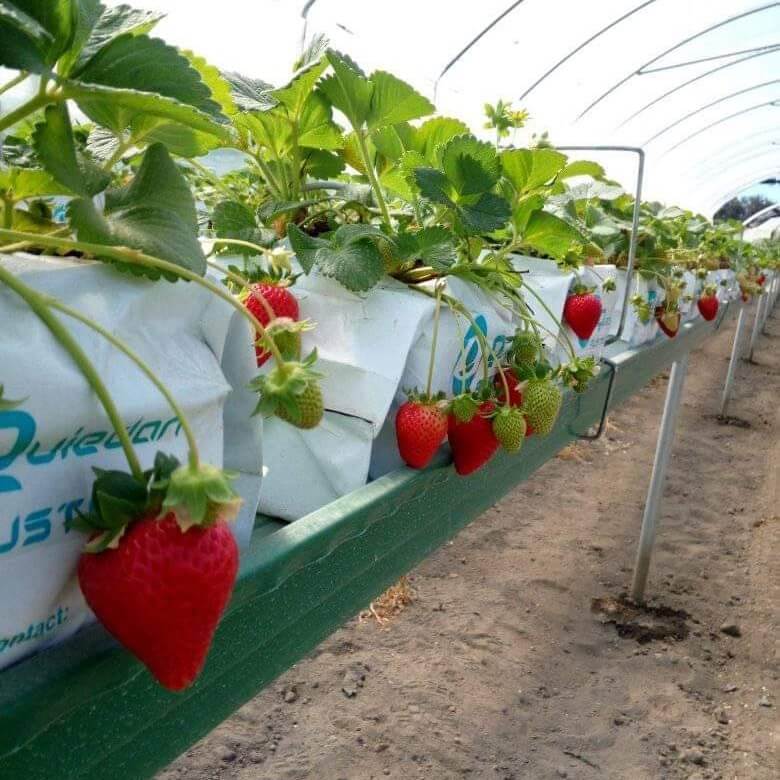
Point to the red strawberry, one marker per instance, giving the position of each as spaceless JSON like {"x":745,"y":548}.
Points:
{"x":515,"y":396}
{"x":708,"y":306}
{"x":282,"y":303}
{"x":420,"y":429}
{"x":668,"y":322}
{"x":761,"y":279}
{"x":473,"y":443}
{"x":582,"y":312}
{"x":162,"y":591}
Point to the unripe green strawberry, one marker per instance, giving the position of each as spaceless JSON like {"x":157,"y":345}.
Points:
{"x":541,"y":403}
{"x":509,"y":428}
{"x":309,"y":409}
{"x":526,"y":348}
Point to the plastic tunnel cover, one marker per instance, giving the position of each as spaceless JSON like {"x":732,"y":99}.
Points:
{"x":696,"y":84}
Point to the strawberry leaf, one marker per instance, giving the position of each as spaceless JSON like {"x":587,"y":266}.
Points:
{"x":529,"y":169}
{"x":394,"y":101}
{"x":348,"y":89}
{"x":350,"y":256}
{"x":55,"y":147}
{"x":550,"y":235}
{"x":250,"y":94}
{"x":155,"y":213}
{"x":471,"y":166}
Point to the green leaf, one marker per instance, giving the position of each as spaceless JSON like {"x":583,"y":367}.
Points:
{"x":529,"y":169}
{"x":523,"y":210}
{"x":46,"y":28}
{"x":55,"y":147}
{"x":211,"y":76}
{"x":430,"y":137}
{"x":355,"y":263}
{"x":471,"y":166}
{"x":296,"y":92}
{"x":323,"y":165}
{"x":348,"y":89}
{"x":316,"y":128}
{"x":304,"y":246}
{"x":155,"y":214}
{"x":250,"y":94}
{"x":489,"y":212}
{"x":394,"y":101}
{"x":232,"y":219}
{"x":179,"y":139}
{"x":389,"y":141}
{"x":433,"y":185}
{"x":434,"y":246}
{"x":350,"y":256}
{"x":550,"y":235}
{"x":98,"y":26}
{"x":582,"y":168}
{"x":150,"y":65}
{"x":117,"y":109}
{"x":22,"y":183}
{"x":23,"y":39}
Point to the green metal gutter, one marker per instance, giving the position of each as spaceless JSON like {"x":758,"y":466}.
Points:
{"x":87,"y":709}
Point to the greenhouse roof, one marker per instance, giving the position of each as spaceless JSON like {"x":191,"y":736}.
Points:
{"x":696,"y":84}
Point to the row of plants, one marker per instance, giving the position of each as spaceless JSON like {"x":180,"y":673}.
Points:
{"x":347,"y":175}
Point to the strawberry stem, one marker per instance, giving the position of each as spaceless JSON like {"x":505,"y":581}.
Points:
{"x":434,"y":339}
{"x":554,"y":319}
{"x":194,"y":457}
{"x":39,"y":305}
{"x":139,"y":258}
{"x":240,"y":280}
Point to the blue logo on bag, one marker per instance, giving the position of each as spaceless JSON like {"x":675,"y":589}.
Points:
{"x":468,"y":366}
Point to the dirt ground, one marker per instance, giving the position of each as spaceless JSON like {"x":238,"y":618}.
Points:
{"x":501,"y":670}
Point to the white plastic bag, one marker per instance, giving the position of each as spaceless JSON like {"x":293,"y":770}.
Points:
{"x":50,"y":442}
{"x":636,"y":332}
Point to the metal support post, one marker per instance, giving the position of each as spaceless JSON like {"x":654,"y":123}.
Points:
{"x":756,"y":325}
{"x":655,"y":491}
{"x":732,"y":362}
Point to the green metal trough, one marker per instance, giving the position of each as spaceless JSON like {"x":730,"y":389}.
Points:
{"x":86,"y":709}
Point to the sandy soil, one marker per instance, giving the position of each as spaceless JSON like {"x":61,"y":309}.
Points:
{"x":501,"y":670}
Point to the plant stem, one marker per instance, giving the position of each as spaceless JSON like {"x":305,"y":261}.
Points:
{"x":554,"y":319}
{"x":434,"y":340}
{"x":31,"y":106}
{"x":194,"y":456}
{"x":39,"y":306}
{"x":244,"y":283}
{"x":248,"y":244}
{"x":8,"y":213}
{"x":139,"y":258}
{"x":270,"y":179}
{"x":373,"y":181}
{"x":19,"y":245}
{"x":14,"y":81}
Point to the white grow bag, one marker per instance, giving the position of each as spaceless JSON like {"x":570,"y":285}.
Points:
{"x":371,"y":347}
{"x":636,"y":332}
{"x":49,"y":444}
{"x":594,"y":276}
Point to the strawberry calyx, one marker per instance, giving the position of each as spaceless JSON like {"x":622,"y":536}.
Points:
{"x":709,"y":290}
{"x":581,"y":289}
{"x":201,"y":496}
{"x":578,"y":372}
{"x":609,"y":284}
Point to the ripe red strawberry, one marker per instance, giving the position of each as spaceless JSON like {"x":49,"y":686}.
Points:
{"x":281,"y":301}
{"x":582,"y":312}
{"x":515,"y":395}
{"x":708,"y":306}
{"x":162,"y":591}
{"x":473,"y":443}
{"x":420,"y":429}
{"x":761,"y":279}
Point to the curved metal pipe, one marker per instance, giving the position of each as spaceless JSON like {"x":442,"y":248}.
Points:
{"x":648,"y":71}
{"x":583,"y":45}
{"x":690,"y":38}
{"x":719,"y":122}
{"x":709,"y":105}
{"x":472,"y":43}
{"x":693,"y":81}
